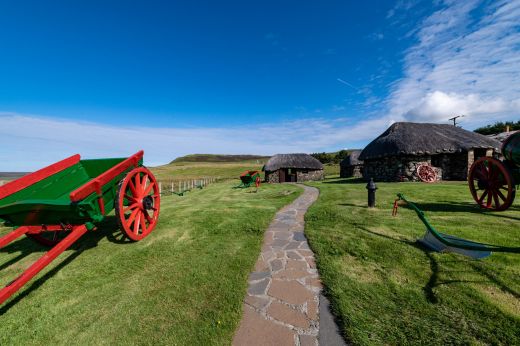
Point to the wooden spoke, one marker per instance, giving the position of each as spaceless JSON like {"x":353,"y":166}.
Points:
{"x":130,"y":207}
{"x":137,"y":223}
{"x":148,"y":190}
{"x":132,"y":187}
{"x":426,"y":173}
{"x":136,"y":213}
{"x":132,"y":217}
{"x":130,"y":198}
{"x":147,"y":216}
{"x":491,"y":184}
{"x":501,"y":195}
{"x":482,"y":197}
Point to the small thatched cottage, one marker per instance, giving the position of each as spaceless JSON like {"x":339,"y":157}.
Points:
{"x":283,"y":168}
{"x":351,"y":166}
{"x":501,"y":137}
{"x":396,"y":154}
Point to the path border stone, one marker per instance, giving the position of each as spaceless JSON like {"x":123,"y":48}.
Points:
{"x":282,"y":302}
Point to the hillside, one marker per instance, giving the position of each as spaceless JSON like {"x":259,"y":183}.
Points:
{"x":7,"y":176}
{"x":220,"y":158}
{"x":197,"y":170}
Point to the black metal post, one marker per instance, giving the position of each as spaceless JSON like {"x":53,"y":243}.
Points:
{"x":371,"y":187}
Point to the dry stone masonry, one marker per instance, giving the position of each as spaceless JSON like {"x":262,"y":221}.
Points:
{"x":281,"y":306}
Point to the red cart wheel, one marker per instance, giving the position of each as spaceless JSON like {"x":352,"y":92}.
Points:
{"x":426,"y":173}
{"x":491,"y":184}
{"x":138,"y":203}
{"x":257,"y":182}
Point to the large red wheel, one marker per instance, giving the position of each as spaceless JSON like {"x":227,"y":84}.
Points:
{"x":491,"y":184}
{"x":138,"y":202}
{"x":257,"y":182}
{"x":426,"y":173}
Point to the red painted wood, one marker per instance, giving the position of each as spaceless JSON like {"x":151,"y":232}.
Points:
{"x":32,"y":178}
{"x":37,"y":266}
{"x":491,"y":184}
{"x":96,"y":184}
{"x":134,"y":219}
{"x":9,"y":237}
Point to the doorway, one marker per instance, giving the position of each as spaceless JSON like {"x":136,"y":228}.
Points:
{"x":287,"y":175}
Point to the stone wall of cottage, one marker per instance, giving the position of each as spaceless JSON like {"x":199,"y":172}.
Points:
{"x":448,"y":166}
{"x":454,"y":166}
{"x":309,"y":175}
{"x":272,"y":177}
{"x":351,"y":171}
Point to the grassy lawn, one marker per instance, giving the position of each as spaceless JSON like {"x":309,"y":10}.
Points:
{"x":182,"y":285}
{"x":331,"y":169}
{"x":386,"y":289}
{"x":195,"y":170}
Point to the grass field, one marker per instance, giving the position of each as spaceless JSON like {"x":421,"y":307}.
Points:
{"x":331,"y":170}
{"x":386,"y":289}
{"x":258,"y":159}
{"x":182,"y":285}
{"x":196,"y":170}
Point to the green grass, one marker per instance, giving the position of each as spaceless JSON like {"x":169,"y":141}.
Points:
{"x":182,"y":285}
{"x":222,"y":158}
{"x":386,"y":289}
{"x":196,"y":170}
{"x":331,"y":169}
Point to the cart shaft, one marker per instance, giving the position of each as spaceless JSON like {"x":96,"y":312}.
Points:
{"x":13,"y":235}
{"x":36,"y":267}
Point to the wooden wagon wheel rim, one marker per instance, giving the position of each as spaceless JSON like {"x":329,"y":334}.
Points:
{"x":491,"y":184}
{"x":426,"y":173}
{"x":138,"y":203}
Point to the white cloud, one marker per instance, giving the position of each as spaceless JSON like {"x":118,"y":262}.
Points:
{"x":462,"y":65}
{"x":29,"y":142}
{"x":437,"y":105}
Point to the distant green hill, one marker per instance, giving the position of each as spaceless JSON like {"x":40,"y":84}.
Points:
{"x":5,"y":176}
{"x":220,"y":158}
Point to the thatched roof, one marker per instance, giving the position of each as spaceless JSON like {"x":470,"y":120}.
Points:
{"x":425,"y":139}
{"x":502,"y":136}
{"x":302,"y":161}
{"x":352,"y":159}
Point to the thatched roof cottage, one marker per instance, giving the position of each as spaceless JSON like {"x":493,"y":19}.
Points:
{"x":351,"y":166}
{"x":501,"y":137}
{"x":395,"y":154}
{"x":283,"y":168}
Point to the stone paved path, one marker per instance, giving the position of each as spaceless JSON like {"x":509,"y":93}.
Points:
{"x":281,"y":306}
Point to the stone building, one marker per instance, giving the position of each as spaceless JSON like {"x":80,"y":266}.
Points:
{"x":351,"y":166}
{"x":450,"y":150}
{"x":283,"y":168}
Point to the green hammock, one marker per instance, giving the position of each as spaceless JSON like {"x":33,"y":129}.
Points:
{"x":438,"y":241}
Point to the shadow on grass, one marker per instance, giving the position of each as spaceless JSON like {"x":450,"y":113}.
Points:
{"x":346,"y":181}
{"x":109,"y":228}
{"x":481,"y":269}
{"x":465,"y":207}
{"x":434,"y":282}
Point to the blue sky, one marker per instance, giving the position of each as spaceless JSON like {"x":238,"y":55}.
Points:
{"x":106,"y":78}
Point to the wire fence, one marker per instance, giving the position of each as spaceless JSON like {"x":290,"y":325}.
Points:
{"x":181,"y":187}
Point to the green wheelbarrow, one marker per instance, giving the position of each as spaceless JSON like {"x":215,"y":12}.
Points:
{"x":248,"y":178}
